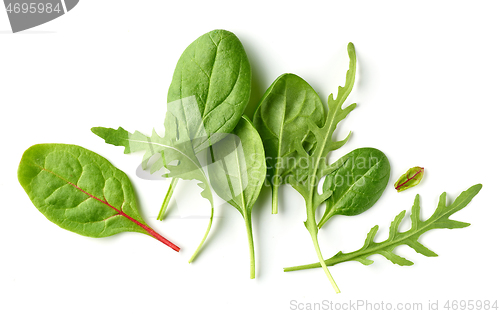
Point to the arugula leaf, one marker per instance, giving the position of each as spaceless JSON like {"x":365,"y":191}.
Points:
{"x":356,"y":184}
{"x":174,"y":146}
{"x":81,"y":191}
{"x":411,"y":178}
{"x":281,"y":117}
{"x":440,"y":219}
{"x":306,"y":179}
{"x":237,"y":173}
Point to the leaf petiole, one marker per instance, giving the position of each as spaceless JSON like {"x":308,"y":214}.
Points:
{"x":204,"y":237}
{"x":170,"y":192}
{"x":248,"y":224}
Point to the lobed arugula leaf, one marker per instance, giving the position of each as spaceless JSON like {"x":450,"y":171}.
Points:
{"x":440,"y":219}
{"x":305,"y":179}
{"x":175,"y":146}
{"x":81,"y":191}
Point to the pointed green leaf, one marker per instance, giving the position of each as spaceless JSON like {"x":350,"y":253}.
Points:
{"x":237,"y":172}
{"x":438,"y":220}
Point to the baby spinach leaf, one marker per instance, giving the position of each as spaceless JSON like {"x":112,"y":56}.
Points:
{"x":81,"y":191}
{"x":174,"y":146}
{"x":440,"y":219}
{"x":411,"y":178}
{"x":237,"y":173}
{"x":281,"y":118}
{"x":215,"y":70}
{"x":356,"y":184}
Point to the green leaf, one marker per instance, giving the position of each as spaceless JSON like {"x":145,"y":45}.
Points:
{"x":214,"y":74}
{"x":175,"y":148}
{"x":237,"y":172}
{"x":215,"y":70}
{"x":410,"y":179}
{"x":356,"y":184}
{"x":282,"y":117}
{"x":440,"y":219}
{"x":81,"y":191}
{"x":311,"y":164}
{"x":171,"y":148}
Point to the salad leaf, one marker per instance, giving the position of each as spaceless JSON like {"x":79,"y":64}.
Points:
{"x":174,"y":146}
{"x":215,"y":70}
{"x":356,"y":184}
{"x":81,"y":191}
{"x":410,"y":179}
{"x":440,"y":219}
{"x":312,"y":165}
{"x":237,"y":173}
{"x":281,"y":118}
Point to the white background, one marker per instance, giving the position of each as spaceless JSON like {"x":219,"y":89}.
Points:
{"x":427,"y":90}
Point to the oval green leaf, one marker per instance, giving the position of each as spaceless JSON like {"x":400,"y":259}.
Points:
{"x":81,"y":191}
{"x":411,"y":178}
{"x":237,"y":172}
{"x":281,"y":118}
{"x":358,"y":182}
{"x":215,"y":70}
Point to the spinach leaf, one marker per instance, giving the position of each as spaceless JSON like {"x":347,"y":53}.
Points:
{"x":411,"y":178}
{"x":81,"y":191}
{"x":281,"y":118}
{"x":174,"y":146}
{"x":356,"y":184}
{"x":237,"y":173}
{"x":438,"y":220}
{"x":207,"y":96}
{"x":215,"y":70}
{"x":313,"y":164}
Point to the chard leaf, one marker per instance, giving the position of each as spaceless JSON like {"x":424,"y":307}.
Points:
{"x":356,"y":184}
{"x":237,"y":173}
{"x":283,"y":116}
{"x":440,"y":219}
{"x":410,"y":179}
{"x":81,"y":191}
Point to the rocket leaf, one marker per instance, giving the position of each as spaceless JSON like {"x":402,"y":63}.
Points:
{"x":411,"y":178}
{"x":81,"y":191}
{"x":440,"y":219}
{"x":175,"y":146}
{"x":313,"y":164}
